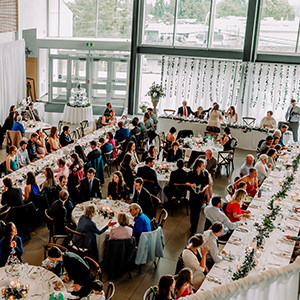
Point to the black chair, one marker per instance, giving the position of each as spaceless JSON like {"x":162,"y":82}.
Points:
{"x":59,"y":126}
{"x":179,"y":197}
{"x":94,"y":268}
{"x":110,"y":291}
{"x":51,"y":227}
{"x":2,"y":169}
{"x":207,"y":224}
{"x":184,"y":133}
{"x":107,"y":162}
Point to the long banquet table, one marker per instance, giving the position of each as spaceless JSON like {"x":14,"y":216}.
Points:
{"x":247,"y":141}
{"x":277,"y":250}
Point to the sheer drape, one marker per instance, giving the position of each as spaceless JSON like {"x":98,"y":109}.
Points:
{"x":12,"y":75}
{"x":253,"y":88}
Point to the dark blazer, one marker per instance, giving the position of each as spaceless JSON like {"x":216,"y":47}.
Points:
{"x":112,"y":191}
{"x":94,"y":154}
{"x":144,"y":200}
{"x":180,"y":111}
{"x":59,"y":213}
{"x":32,"y":150}
{"x":173,"y":158}
{"x":148,"y":173}
{"x":12,"y":197}
{"x":135,"y":131}
{"x":128,"y":176}
{"x":144,"y":133}
{"x":65,"y":139}
{"x":211,"y":165}
{"x":84,"y":188}
{"x":178,"y":176}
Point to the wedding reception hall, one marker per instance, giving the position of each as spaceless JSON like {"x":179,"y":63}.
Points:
{"x":149,"y":149}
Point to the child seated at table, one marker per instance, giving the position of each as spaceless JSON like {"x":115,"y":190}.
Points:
{"x":97,"y":291}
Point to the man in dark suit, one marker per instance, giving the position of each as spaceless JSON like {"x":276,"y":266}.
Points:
{"x":11,"y":196}
{"x":135,"y":130}
{"x":59,"y":213}
{"x":211,"y":162}
{"x":90,"y":186}
{"x":65,"y":138}
{"x":142,"y":126}
{"x":32,"y":113}
{"x":76,"y":268}
{"x":143,"y":198}
{"x":147,"y":172}
{"x":95,"y":153}
{"x":32,"y":148}
{"x":184,"y":110}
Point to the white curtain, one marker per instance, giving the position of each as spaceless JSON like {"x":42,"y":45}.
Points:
{"x":12,"y":75}
{"x":253,"y":88}
{"x":274,"y":284}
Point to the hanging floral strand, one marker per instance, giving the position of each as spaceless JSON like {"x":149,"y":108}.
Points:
{"x":190,"y":78}
{"x":231,"y":86}
{"x":223,"y":77}
{"x":204,"y":78}
{"x":266,"y":85}
{"x":273,"y":87}
{"x":176,"y":76}
{"x":239,"y":83}
{"x":286,"y":86}
{"x":244,"y":82}
{"x":183,"y":79}
{"x":172,"y":76}
{"x":198,"y":80}
{"x":280,"y":85}
{"x":162,"y":69}
{"x":253,"y":85}
{"x":258,"y":85}
{"x":212,"y":70}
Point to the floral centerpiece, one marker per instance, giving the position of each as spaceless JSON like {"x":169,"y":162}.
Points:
{"x":106,"y":212}
{"x":155,"y":92}
{"x":15,"y":290}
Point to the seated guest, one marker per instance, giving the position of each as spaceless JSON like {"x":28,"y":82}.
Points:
{"x":63,"y":185}
{"x":194,"y":257}
{"x":141,"y":221}
{"x":272,"y":158}
{"x":79,"y":151}
{"x":183,"y":284}
{"x":87,"y":225}
{"x":199,"y":114}
{"x":143,"y":198}
{"x":123,"y":231}
{"x":122,"y":133}
{"x":95,"y":152}
{"x":153,"y":117}
{"x":111,"y":140}
{"x":266,"y":145}
{"x":149,"y":124}
{"x":130,"y":149}
{"x":147,"y":172}
{"x":174,"y":153}
{"x":226,"y":139}
{"x":211,"y":241}
{"x":62,"y":169}
{"x":105,"y":120}
{"x":90,"y":186}
{"x":12,"y":160}
{"x":268,"y":121}
{"x":109,"y":110}
{"x":184,"y":110}
{"x":105,"y":147}
{"x":41,"y":143}
{"x":214,"y":214}
{"x":283,"y":130}
{"x":97,"y":291}
{"x":32,"y":113}
{"x":117,"y":189}
{"x":18,"y":126}
{"x":231,"y":115}
{"x":31,"y":188}
{"x":127,"y":172}
{"x":263,"y":168}
{"x":65,"y":138}
{"x":58,"y":212}
{"x":8,"y":124}
{"x":233,"y":208}
{"x":152,"y":152}
{"x":32,"y":148}
{"x":136,"y":129}
{"x":211,"y":162}
{"x":11,"y":244}
{"x":11,"y":196}
{"x":215,"y":120}
{"x":165,"y":288}
{"x":53,"y":139}
{"x":244,"y":170}
{"x":50,"y":180}
{"x":251,"y":181}
{"x":141,"y":125}
{"x":76,"y":268}
{"x":170,"y":138}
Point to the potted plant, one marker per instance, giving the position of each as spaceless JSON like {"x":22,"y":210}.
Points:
{"x":143,"y":107}
{"x":155,"y":92}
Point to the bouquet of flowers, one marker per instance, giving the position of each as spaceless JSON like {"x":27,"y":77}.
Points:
{"x":156,"y":91}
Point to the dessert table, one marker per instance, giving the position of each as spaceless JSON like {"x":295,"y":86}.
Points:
{"x":75,"y":115}
{"x":112,"y":207}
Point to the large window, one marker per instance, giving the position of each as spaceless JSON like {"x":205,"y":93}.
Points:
{"x":279,"y":27}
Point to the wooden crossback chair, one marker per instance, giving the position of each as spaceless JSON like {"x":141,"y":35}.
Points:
{"x":94,"y":268}
{"x":4,"y":213}
{"x":224,"y":159}
{"x":76,"y":246}
{"x":151,"y":293}
{"x":52,"y":235}
{"x":110,"y":291}
{"x":249,"y":121}
{"x":162,"y":218}
{"x":169,"y":112}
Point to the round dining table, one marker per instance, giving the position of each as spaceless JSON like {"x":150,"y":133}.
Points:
{"x":113,"y":207}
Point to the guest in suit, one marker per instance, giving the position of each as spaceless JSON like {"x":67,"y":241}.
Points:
{"x":184,"y":110}
{"x":18,"y":126}
{"x":87,"y":225}
{"x":90,"y":186}
{"x":141,"y":221}
{"x":95,"y":153}
{"x":211,"y":162}
{"x":122,"y":133}
{"x":148,"y":173}
{"x":143,"y":198}
{"x":105,"y":147}
{"x":292,"y":117}
{"x":32,"y":113}
{"x":123,"y":231}
{"x":174,"y":153}
{"x":32,"y":148}
{"x":63,"y":186}
{"x":11,"y":196}
{"x":143,"y":128}
{"x":76,"y":268}
{"x":65,"y":138}
{"x":117,"y":189}
{"x":58,"y":212}
{"x":136,"y":130}
{"x":127,"y":172}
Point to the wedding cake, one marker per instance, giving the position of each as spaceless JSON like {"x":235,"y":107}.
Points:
{"x":78,"y":97}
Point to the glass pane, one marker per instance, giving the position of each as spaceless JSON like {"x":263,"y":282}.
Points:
{"x":53,"y":18}
{"x":159,"y":22}
{"x":59,"y":93}
{"x":60,"y":67}
{"x":279,"y":26}
{"x":121,"y":71}
{"x":78,"y":72}
{"x":229,"y":24}
{"x":192,"y":23}
{"x":99,"y":72}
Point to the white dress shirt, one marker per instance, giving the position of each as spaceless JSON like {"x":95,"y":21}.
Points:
{"x":262,"y":170}
{"x":211,"y":241}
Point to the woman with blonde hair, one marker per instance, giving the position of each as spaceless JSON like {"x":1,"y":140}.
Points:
{"x":53,"y":139}
{"x":233,"y":208}
{"x":123,"y":231}
{"x":87,"y":225}
{"x":141,"y":221}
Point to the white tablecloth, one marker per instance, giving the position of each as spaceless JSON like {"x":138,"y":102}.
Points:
{"x":75,"y":115}
{"x":101,"y":222}
{"x":247,"y":141}
{"x":33,"y":126}
{"x":39,"y":279}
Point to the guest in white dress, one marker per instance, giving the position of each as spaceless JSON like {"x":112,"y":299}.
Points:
{"x":131,"y":151}
{"x":231,"y":115}
{"x":53,"y":139}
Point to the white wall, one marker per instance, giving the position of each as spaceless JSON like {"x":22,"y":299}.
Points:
{"x":7,"y":37}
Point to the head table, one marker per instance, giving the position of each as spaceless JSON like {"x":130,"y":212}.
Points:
{"x":105,"y":206}
{"x":277,"y":250}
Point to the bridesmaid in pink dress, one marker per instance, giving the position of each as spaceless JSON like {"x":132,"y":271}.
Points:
{"x":111,"y":140}
{"x":183,"y":284}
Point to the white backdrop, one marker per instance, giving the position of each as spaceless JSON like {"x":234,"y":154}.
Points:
{"x":12,"y":75}
{"x":253,"y":88}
